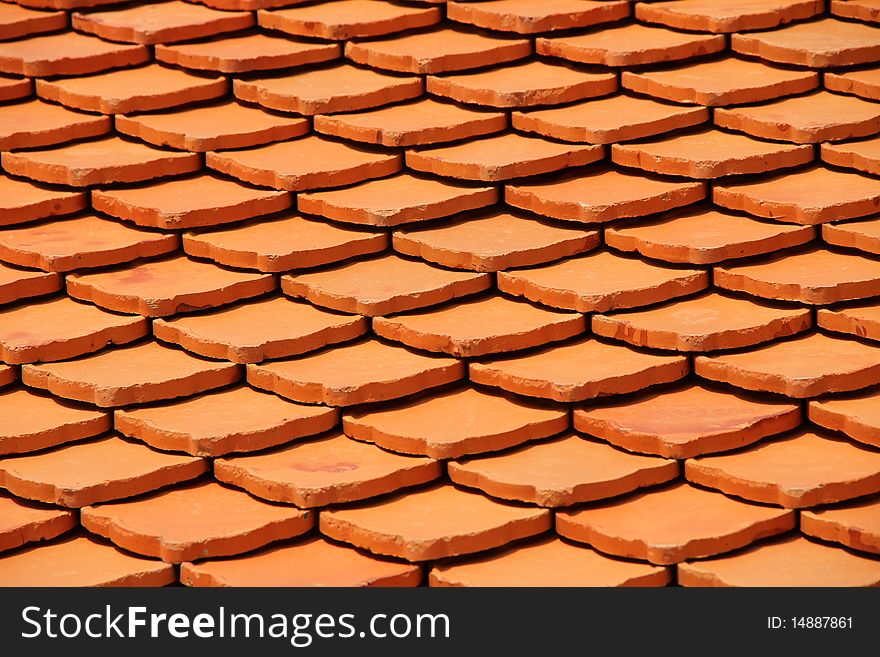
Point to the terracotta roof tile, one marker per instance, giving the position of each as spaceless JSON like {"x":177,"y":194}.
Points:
{"x":861,"y":155}
{"x":862,"y":235}
{"x":23,"y":523}
{"x":61,"y":328}
{"x":33,"y":123}
{"x":18,"y":284}
{"x":22,"y":201}
{"x":672,"y":524}
{"x":863,"y":320}
{"x":397,"y":200}
{"x":142,"y":89}
{"x":579,"y":370}
{"x":374,"y":371}
{"x":81,"y":561}
{"x":608,"y":120}
{"x":855,"y":525}
{"x":15,"y":88}
{"x":64,"y":4}
{"x":233,"y":420}
{"x":528,"y":17}
{"x":865,"y":83}
{"x":802,"y":367}
{"x":789,"y":562}
{"x":349,"y":19}
{"x":160,"y":22}
{"x":67,"y":53}
{"x":531,"y":83}
{"x":248,"y":52}
{"x":478,"y":327}
{"x":84,"y":473}
{"x":686,"y":421}
{"x":436,"y":51}
{"x":866,"y":10}
{"x":727,"y":17}
{"x":252,"y":332}
{"x":33,"y":422}
{"x":562,"y":472}
{"x":632,"y":44}
{"x":549,"y":562}
{"x":494,"y":241}
{"x":283,"y":243}
{"x":8,"y":374}
{"x":311,"y":562}
{"x":455,"y":423}
{"x":855,"y":415}
{"x":704,"y":235}
{"x":331,"y":470}
{"x":245,"y":5}
{"x":461,"y":523}
{"x":16,"y":21}
{"x":798,"y":471}
{"x":197,"y":521}
{"x":341,"y":88}
{"x":726,"y":81}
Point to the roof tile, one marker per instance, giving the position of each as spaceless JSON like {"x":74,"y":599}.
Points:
{"x":15,"y":88}
{"x":17,"y":284}
{"x":33,"y":123}
{"x":713,"y":16}
{"x":855,"y":525}
{"x":861,"y":155}
{"x":22,"y":201}
{"x":865,"y":10}
{"x":863,"y":320}
{"x":858,"y":416}
{"x":16,"y":21}
{"x":865,"y":83}
{"x":67,"y":53}
{"x":8,"y":374}
{"x":23,"y":522}
{"x":862,"y":235}
{"x":528,"y":17}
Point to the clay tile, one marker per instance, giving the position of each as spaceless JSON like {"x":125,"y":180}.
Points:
{"x":817,"y":44}
{"x":494,"y":241}
{"x":306,"y":163}
{"x":130,"y":375}
{"x":710,"y":16}
{"x":455,"y":423}
{"x":166,"y":287}
{"x":32,"y":422}
{"x":673,"y":524}
{"x":709,"y":153}
{"x":233,"y":420}
{"x":461,"y":523}
{"x":789,"y":562}
{"x":705,"y":323}
{"x":855,"y":525}
{"x":816,"y":117}
{"x":17,"y":284}
{"x":194,"y":522}
{"x":67,"y":53}
{"x":160,"y":22}
{"x":34,"y":123}
{"x":331,"y":470}
{"x":523,"y":85}
{"x":423,"y":121}
{"x":862,"y":235}
{"x":250,"y":52}
{"x":579,"y":370}
{"x":726,"y":81}
{"x":16,"y":22}
{"x":436,"y":51}
{"x":802,"y":367}
{"x":704,"y":235}
{"x":340,"y":88}
{"x":863,"y":321}
{"x":630,"y":45}
{"x":562,"y":472}
{"x":798,"y":471}
{"x":383,"y":285}
{"x":22,"y":201}
{"x":312,"y":562}
{"x":15,"y":88}
{"x":602,"y":195}
{"x":373,"y":372}
{"x":609,"y":120}
{"x":250,"y":333}
{"x":106,"y":469}
{"x":349,"y":19}
{"x":857,"y":416}
{"x":98,"y":162}
{"x":813,"y":196}
{"x":62,"y":328}
{"x":501,"y":157}
{"x":23,"y":522}
{"x":478,"y":327}
{"x":397,"y":200}
{"x":81,"y":242}
{"x":687,"y":421}
{"x":601,"y":281}
{"x":861,"y":155}
{"x":201,"y":200}
{"x":528,"y":17}
{"x":816,"y":276}
{"x":865,"y":83}
{"x":8,"y":374}
{"x":548,"y":562}
{"x":81,"y":561}
{"x":282,"y":244}
{"x":143,"y":89}
{"x":864,"y":10}
{"x":247,"y":5}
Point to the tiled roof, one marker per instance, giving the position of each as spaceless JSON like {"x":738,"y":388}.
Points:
{"x":390,"y":292}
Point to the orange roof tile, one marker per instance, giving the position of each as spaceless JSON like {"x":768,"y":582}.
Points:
{"x":22,"y":201}
{"x":18,"y":284}
{"x":852,"y":524}
{"x":714,"y":16}
{"x":527,"y":17}
{"x":863,"y":321}
{"x":854,"y":415}
{"x":67,"y":53}
{"x":34,"y":123}
{"x":27,"y":523}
